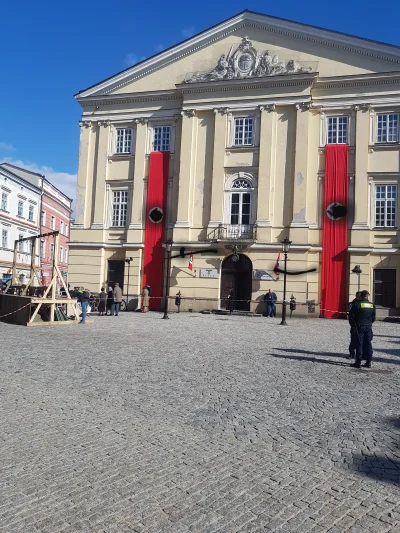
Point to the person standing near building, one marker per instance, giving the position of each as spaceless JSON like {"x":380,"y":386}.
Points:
{"x":110,"y":301}
{"x":353,"y":330}
{"x":102,"y":302}
{"x":146,"y":299}
{"x":362,"y":315}
{"x":117,"y":299}
{"x":83,"y":298}
{"x":270,"y":298}
{"x":230,"y":301}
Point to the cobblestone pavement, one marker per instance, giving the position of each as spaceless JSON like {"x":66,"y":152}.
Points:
{"x":199,"y":424}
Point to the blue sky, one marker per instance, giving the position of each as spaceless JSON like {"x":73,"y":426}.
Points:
{"x":51,"y":50}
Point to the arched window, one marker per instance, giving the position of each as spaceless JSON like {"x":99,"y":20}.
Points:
{"x":241,"y":200}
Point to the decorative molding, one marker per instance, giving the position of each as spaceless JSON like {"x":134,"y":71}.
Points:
{"x":267,"y":107}
{"x":182,"y":224}
{"x":304,"y":106}
{"x":85,"y":124}
{"x":189,"y":113}
{"x":263,"y":223}
{"x":221,"y":110}
{"x":97,"y":226}
{"x":360,"y":226}
{"x":136,"y":226}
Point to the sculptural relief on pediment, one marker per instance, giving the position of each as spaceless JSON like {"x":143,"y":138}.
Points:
{"x":246,"y":62}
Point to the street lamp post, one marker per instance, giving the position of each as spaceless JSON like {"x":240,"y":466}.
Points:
{"x":128,"y":261}
{"x":168,"y":246}
{"x":285,"y":248}
{"x":357,"y":270}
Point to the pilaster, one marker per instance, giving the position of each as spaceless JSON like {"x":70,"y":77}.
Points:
{"x":266,"y":170}
{"x":85,"y":176}
{"x":217,"y":189}
{"x":99,"y":193}
{"x":361,"y":169}
{"x":138,"y":203}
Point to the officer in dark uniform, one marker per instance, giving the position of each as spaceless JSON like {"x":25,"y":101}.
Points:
{"x":362,"y":315}
{"x":353,"y":330}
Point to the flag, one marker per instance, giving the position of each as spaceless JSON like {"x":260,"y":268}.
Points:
{"x":190,"y":265}
{"x":277,"y":265}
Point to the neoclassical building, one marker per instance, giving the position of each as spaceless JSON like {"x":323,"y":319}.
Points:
{"x":254,"y":130}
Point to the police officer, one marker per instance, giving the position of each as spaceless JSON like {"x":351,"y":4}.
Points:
{"x":363,"y":315}
{"x":353,"y":330}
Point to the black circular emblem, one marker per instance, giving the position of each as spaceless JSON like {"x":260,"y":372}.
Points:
{"x":336,"y":211}
{"x":156,"y":215}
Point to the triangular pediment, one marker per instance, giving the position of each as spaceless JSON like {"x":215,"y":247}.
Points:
{"x":252,"y":45}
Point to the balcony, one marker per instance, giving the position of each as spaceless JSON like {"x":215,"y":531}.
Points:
{"x":233,"y":232}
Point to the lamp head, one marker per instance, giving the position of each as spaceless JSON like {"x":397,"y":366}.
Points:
{"x":286,"y":244}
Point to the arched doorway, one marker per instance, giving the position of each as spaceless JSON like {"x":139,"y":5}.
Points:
{"x":236,"y":275}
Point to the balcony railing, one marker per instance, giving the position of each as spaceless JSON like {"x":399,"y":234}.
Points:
{"x":233,"y":232}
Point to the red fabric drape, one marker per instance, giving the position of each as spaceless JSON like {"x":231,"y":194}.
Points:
{"x":153,"y":259}
{"x":334,"y":236}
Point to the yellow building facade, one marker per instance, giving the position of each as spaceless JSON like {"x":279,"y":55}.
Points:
{"x":245,"y":111}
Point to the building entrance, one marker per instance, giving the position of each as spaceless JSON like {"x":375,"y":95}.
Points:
{"x":236,"y":275}
{"x":115,"y":273}
{"x":385,"y":287}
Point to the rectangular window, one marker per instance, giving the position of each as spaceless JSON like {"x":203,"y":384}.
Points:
{"x":66,"y":256}
{"x":66,"y":229}
{"x":162,"y":138}
{"x":43,"y":218}
{"x":386,"y":206}
{"x":385,"y":287}
{"x":120,"y":209}
{"x":20,"y":244}
{"x":338,"y":130}
{"x":61,"y":255}
{"x":62,"y":227}
{"x":124,"y":141}
{"x":42,"y":249}
{"x":4,"y":238}
{"x":52,"y":251}
{"x":4,"y":201}
{"x":53,"y":223}
{"x":31,"y":211}
{"x":29,"y":246}
{"x":20,"y":208}
{"x":244,"y":131}
{"x":387,"y":128}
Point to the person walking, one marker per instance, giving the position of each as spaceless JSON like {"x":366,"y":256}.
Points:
{"x":230,"y":301}
{"x":83,"y":298}
{"x":110,"y":301}
{"x":146,"y":299}
{"x":363,"y":315}
{"x":270,"y":298}
{"x":117,"y":299}
{"x":353,"y":328}
{"x":102,"y":302}
{"x":292,"y":305}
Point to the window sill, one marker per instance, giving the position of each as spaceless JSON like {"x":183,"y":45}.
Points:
{"x":388,"y":229}
{"x":383,"y":146}
{"x":242,"y":147}
{"x":4,"y":211}
{"x":121,"y":157}
{"x":21,"y":218}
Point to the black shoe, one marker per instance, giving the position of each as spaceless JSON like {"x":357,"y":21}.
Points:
{"x":367,"y":364}
{"x":351,"y":356}
{"x":357,"y":364}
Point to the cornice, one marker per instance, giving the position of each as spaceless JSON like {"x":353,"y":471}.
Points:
{"x":293,"y":30}
{"x":369,"y":80}
{"x":130,"y":98}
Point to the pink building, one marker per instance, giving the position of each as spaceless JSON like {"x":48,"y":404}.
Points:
{"x":55,"y":216}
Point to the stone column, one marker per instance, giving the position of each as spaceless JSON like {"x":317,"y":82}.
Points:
{"x":101,"y":175}
{"x":299,"y":219}
{"x":266,"y":170}
{"x":186,"y":174}
{"x":85,"y":175}
{"x":361,"y":169}
{"x":138,"y":201}
{"x":217,"y":189}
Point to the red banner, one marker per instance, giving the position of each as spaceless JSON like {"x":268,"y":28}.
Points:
{"x":156,"y":209}
{"x":334,"y":236}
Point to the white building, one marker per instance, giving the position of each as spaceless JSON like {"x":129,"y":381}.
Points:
{"x":19,"y":218}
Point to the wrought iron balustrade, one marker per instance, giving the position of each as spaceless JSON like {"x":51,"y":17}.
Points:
{"x":234,"y":232}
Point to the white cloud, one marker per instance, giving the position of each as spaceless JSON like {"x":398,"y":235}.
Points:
{"x":131,"y":59}
{"x":6,"y":147}
{"x":64,"y":181}
{"x":188,"y":32}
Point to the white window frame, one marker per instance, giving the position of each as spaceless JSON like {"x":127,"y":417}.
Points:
{"x":119,"y":190}
{"x":4,"y":238}
{"x":62,"y":227}
{"x":61,"y":256}
{"x":351,"y":138}
{"x":157,"y":124}
{"x":53,"y":222}
{"x":20,"y":212}
{"x":232,"y":117}
{"x":42,"y":249}
{"x":31,"y":213}
{"x":229,"y":191}
{"x":66,"y":229}
{"x":43,"y":218}
{"x":125,"y":128}
{"x":66,"y":256}
{"x":4,"y":204}
{"x":51,"y":251}
{"x":385,"y":183}
{"x":21,"y":245}
{"x":375,"y":135}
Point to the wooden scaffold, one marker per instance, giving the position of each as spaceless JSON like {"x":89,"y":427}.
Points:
{"x":43,"y":295}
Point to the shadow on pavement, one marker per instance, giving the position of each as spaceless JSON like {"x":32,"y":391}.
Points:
{"x":311,"y":359}
{"x":333,"y":354}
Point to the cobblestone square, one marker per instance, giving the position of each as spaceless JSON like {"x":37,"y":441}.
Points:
{"x":201,"y":424}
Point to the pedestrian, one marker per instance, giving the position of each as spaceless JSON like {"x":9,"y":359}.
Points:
{"x":83,"y":298}
{"x":102,"y":302}
{"x":117,"y":299}
{"x":353,"y":329}
{"x":230,"y":301}
{"x":363,"y":314}
{"x":292,"y":305}
{"x":110,"y":300}
{"x":270,"y":298}
{"x":146,"y":298}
